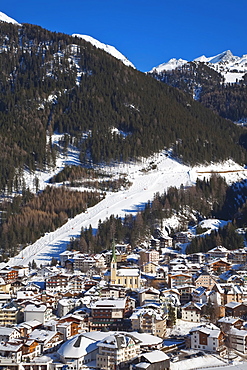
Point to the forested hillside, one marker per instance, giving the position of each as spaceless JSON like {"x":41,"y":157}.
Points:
{"x":207,"y":86}
{"x":55,"y":82}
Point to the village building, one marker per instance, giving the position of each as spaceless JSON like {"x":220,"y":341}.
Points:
{"x":116,"y":349}
{"x":207,"y":338}
{"x":11,"y":314}
{"x":148,"y":295}
{"x":150,"y":268}
{"x":57,"y":283}
{"x":154,"y":360}
{"x":200,"y":295}
{"x":185,"y":292}
{"x":175,"y":280}
{"x":206,"y":280}
{"x":219,"y":266}
{"x":237,"y":339}
{"x":77,"y":351}
{"x":192,"y":312}
{"x":8,"y":333}
{"x":236,"y":309}
{"x":107,"y":313}
{"x":148,"y":256}
{"x":222,"y":294}
{"x":39,"y":312}
{"x":149,"y":320}
{"x":218,"y":253}
{"x":225,"y":323}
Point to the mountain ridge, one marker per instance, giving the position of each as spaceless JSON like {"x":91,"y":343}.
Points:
{"x":5,"y":18}
{"x":107,"y":48}
{"x":231,"y":67}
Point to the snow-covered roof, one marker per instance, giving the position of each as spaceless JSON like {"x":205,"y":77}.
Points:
{"x":147,"y":339}
{"x":149,"y":290}
{"x":118,"y":303}
{"x":155,"y":356}
{"x":4,"y":330}
{"x":10,"y":347}
{"x":77,"y":347}
{"x":41,"y":335}
{"x":128,"y":272}
{"x":238,"y":332}
{"x":193,"y":305}
{"x":219,"y":248}
{"x":228,"y":320}
{"x":35,"y":308}
{"x":117,"y":340}
{"x":147,"y":311}
{"x":209,"y":329}
{"x":232,"y":304}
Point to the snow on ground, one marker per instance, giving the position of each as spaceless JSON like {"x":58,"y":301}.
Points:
{"x":234,"y":366}
{"x":148,"y":177}
{"x":212,"y":224}
{"x":232,"y":77}
{"x":197,"y":363}
{"x":107,"y":48}
{"x":182,"y":327}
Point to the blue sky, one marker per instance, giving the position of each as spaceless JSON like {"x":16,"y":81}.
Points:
{"x":147,"y":32}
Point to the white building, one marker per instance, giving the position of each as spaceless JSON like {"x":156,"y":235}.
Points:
{"x":38,"y":312}
{"x":207,"y":338}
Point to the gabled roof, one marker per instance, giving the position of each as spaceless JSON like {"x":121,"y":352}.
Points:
{"x":229,"y":320}
{"x":193,"y":305}
{"x":233,"y":305}
{"x":210,"y":330}
{"x":218,"y":248}
{"x":222,"y":260}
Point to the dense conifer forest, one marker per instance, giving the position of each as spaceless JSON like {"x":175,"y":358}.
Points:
{"x":52,"y":82}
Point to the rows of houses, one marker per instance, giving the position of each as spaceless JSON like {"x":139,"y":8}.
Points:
{"x":120,"y":303}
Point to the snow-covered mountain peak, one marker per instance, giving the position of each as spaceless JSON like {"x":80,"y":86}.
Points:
{"x":107,"y":48}
{"x":7,"y":19}
{"x":224,"y":57}
{"x":170,"y":65}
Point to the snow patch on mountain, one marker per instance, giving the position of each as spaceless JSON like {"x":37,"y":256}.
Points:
{"x":7,"y":19}
{"x":107,"y":48}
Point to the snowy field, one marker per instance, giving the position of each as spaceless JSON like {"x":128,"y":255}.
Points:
{"x":147,"y":177}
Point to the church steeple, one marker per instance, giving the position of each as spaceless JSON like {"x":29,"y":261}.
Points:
{"x":113,"y":264}
{"x":114,"y":258}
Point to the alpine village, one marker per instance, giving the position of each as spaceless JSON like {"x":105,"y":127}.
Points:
{"x":123,"y":207}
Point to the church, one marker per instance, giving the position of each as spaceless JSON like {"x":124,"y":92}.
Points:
{"x":130,"y":278}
